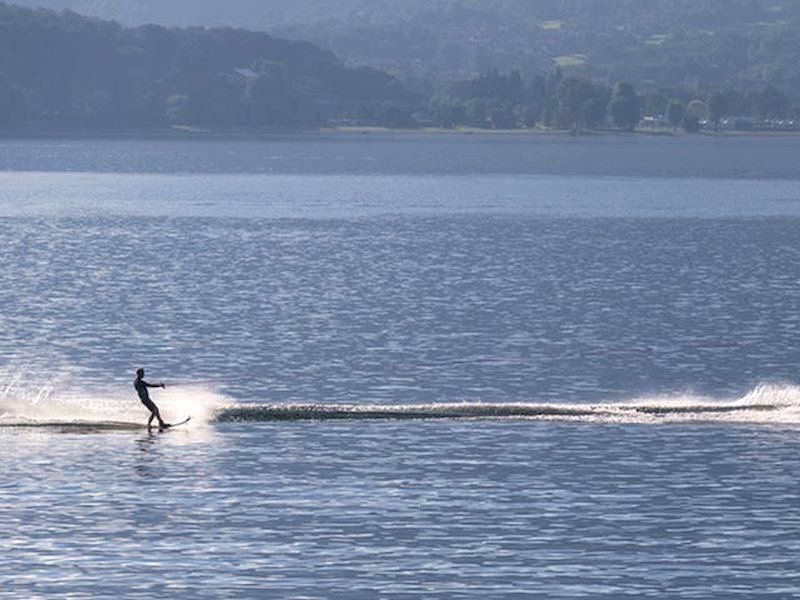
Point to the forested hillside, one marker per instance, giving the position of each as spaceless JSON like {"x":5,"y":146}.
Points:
{"x":60,"y":67}
{"x":703,"y":44}
{"x":70,"y":70}
{"x":706,"y":44}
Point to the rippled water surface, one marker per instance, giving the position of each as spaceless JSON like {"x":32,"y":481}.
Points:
{"x":431,"y":509}
{"x":517,"y":374}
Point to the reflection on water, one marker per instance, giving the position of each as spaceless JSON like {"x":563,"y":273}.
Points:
{"x":146,"y":455}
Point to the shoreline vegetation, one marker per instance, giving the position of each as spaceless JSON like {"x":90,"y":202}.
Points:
{"x":536,"y":131}
{"x":100,"y":78}
{"x":211,"y":134}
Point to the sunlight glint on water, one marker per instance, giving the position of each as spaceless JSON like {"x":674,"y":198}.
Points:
{"x":531,"y":381}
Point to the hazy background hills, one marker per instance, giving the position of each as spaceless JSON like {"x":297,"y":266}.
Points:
{"x":745,"y":44}
{"x":499,"y":64}
{"x":60,"y":68}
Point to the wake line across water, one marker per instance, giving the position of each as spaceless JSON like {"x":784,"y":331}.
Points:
{"x":594,"y":413}
{"x":764,"y":404}
{"x":326,"y":412}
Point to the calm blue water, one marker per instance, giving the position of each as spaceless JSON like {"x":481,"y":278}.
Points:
{"x":432,"y":367}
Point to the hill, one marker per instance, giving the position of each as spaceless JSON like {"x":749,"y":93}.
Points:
{"x":60,"y":67}
{"x":706,"y":44}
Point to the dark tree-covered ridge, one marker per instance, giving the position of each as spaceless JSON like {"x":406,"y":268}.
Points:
{"x":65,"y":70}
{"x":61,"y":66}
{"x":746,"y":44}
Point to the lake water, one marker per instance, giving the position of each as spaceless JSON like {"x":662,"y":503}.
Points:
{"x":417,"y":367}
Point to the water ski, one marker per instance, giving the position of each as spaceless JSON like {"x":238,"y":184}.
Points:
{"x":173,"y":425}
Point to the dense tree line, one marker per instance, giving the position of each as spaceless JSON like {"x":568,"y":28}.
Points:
{"x":555,"y":100}
{"x":746,"y":44}
{"x":66,"y":68}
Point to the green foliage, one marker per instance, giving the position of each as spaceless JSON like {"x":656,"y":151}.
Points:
{"x":655,"y":102}
{"x":697,"y":109}
{"x":675,"y":113}
{"x":718,"y":107}
{"x":624,"y":106}
{"x":772,"y":103}
{"x":74,"y":69}
{"x":507,"y":87}
{"x":269,"y":98}
{"x":504,"y":101}
{"x":476,"y":112}
{"x":61,"y":67}
{"x":651,"y":43}
{"x":580,"y":103}
{"x":654,"y":44}
{"x":503,"y":116}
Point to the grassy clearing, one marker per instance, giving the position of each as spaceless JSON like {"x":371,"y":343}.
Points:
{"x":570,"y":60}
{"x":463,"y":130}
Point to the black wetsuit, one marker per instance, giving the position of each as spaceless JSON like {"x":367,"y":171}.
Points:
{"x":141,"y":388}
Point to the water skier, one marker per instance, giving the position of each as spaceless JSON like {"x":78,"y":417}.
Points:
{"x":141,"y":388}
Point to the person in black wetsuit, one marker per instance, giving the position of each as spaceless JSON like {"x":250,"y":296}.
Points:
{"x":141,"y":388}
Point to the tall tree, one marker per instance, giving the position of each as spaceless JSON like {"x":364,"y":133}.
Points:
{"x":580,"y":103}
{"x":476,"y":113}
{"x":718,"y":107}
{"x":625,"y":106}
{"x":697,"y":109}
{"x":772,"y":103}
{"x":675,"y":112}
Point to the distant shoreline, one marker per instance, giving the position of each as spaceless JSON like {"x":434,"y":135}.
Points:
{"x":561,"y":132}
{"x":201,"y":133}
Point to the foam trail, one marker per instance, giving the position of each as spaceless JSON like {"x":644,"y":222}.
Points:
{"x":54,"y":402}
{"x":764,"y":404}
{"x":60,"y":402}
